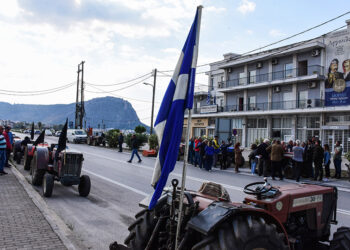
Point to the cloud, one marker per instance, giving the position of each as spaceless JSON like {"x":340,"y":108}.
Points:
{"x":215,"y":9}
{"x":9,"y":8}
{"x":249,"y":32}
{"x":246,"y":6}
{"x":276,"y":33}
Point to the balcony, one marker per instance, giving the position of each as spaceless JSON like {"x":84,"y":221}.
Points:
{"x":266,"y":106}
{"x":274,"y":76}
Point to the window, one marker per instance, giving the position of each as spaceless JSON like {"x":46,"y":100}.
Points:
{"x":198,"y":105}
{"x":242,"y":78}
{"x":288,"y":70}
{"x":251,"y":102}
{"x":303,"y":95}
{"x":237,"y":123}
{"x":288,"y":100}
{"x":262,"y":123}
{"x":252,"y":76}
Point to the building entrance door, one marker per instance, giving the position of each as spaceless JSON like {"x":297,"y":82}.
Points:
{"x":332,"y":136}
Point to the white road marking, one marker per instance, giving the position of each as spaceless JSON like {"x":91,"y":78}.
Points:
{"x":341,"y":211}
{"x":117,"y":183}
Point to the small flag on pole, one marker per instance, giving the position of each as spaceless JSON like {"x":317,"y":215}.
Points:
{"x":177,"y":98}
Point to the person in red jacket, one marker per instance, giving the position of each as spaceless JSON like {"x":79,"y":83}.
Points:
{"x":197,"y":158}
{"x":8,"y":145}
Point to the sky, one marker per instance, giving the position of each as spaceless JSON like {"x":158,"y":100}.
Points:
{"x":43,"y":41}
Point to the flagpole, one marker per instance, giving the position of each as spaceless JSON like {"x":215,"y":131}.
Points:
{"x":189,"y":128}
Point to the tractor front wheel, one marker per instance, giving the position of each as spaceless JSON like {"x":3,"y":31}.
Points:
{"x":244,"y":233}
{"x":48,"y":182}
{"x":18,"y":157}
{"x":84,"y":186}
{"x":341,"y":239}
{"x":37,"y":177}
{"x":27,"y":160}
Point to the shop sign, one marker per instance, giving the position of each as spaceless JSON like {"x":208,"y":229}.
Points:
{"x":340,"y":127}
{"x":337,"y":85}
{"x":199,"y":122}
{"x":209,"y":109}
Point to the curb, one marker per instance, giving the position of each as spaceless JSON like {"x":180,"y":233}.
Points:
{"x":56,"y":223}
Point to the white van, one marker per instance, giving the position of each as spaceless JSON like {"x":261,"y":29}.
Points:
{"x":48,"y":132}
{"x":76,"y":136}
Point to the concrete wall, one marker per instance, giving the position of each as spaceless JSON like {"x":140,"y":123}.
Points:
{"x":313,"y":93}
{"x":232,"y":98}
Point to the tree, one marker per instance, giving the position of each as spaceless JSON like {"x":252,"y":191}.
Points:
{"x":140,"y":138}
{"x":140,"y":129}
{"x":112,"y":138}
{"x":39,"y":125}
{"x":153,"y":141}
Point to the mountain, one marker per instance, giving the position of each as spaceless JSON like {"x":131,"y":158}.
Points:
{"x":110,"y":111}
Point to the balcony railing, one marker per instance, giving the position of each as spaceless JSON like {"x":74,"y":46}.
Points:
{"x":277,"y":75}
{"x":267,"y":106}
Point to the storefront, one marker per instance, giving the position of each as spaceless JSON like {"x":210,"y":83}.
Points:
{"x":201,"y":127}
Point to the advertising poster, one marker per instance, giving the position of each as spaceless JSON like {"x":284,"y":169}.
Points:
{"x":337,"y":85}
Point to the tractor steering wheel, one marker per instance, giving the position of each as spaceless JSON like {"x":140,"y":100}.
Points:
{"x":260,"y":188}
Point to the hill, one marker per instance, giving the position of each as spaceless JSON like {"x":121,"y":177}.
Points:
{"x":110,"y":111}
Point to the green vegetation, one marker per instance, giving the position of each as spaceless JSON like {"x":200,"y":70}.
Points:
{"x":153,"y":141}
{"x":112,"y":138}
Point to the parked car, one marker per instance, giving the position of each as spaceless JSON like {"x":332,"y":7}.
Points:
{"x":37,"y":132}
{"x":76,"y":136}
{"x":48,"y":132}
{"x":58,"y":133}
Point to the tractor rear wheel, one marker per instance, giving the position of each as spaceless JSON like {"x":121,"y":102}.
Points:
{"x":48,"y":182}
{"x":84,"y":186}
{"x":18,"y":157}
{"x":37,"y":177}
{"x":27,"y":160}
{"x":341,"y":239}
{"x":244,"y":233}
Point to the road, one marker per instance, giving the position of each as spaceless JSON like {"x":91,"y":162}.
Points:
{"x":118,"y":187}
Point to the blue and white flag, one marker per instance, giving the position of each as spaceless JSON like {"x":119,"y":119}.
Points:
{"x":208,"y":98}
{"x":177,"y":98}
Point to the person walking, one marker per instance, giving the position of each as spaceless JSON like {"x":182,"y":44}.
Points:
{"x":191,"y":151}
{"x":318,"y":154}
{"x":238,"y":157}
{"x":308,"y":159}
{"x":338,"y":151}
{"x":209,"y":155}
{"x":120,"y":141}
{"x":327,"y":161}
{"x":216,"y":146}
{"x":197,"y":158}
{"x":2,"y":151}
{"x":8,"y":135}
{"x":202,"y":147}
{"x":263,"y":157}
{"x":277,"y":155}
{"x":223,"y":159}
{"x":298,"y":153}
{"x":134,"y":147}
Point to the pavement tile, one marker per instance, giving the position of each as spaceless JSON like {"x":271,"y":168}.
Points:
{"x":22,"y":226}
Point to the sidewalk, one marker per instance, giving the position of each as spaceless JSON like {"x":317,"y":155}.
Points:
{"x":22,"y":225}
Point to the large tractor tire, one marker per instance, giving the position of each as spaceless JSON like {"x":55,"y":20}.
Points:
{"x":84,"y":186}
{"x":244,"y":233}
{"x":341,"y":239}
{"x":141,"y":230}
{"x":18,"y":157}
{"x":48,"y":183}
{"x":40,"y":159}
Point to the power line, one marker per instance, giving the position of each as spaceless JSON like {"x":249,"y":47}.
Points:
{"x":37,"y":93}
{"x":279,"y":41}
{"x":120,"y":83}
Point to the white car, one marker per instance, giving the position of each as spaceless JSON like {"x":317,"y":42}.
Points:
{"x":48,"y":132}
{"x":76,"y":136}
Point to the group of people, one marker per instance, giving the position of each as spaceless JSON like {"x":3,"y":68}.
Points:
{"x":307,"y":158}
{"x":205,"y":154}
{"x":6,"y":141}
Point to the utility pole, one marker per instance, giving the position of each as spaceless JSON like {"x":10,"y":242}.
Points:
{"x":79,"y":106}
{"x":154,"y":91}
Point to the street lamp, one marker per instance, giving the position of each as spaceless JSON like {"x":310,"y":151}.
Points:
{"x":154,"y":89}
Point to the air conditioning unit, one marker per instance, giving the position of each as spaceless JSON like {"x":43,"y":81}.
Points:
{"x":229,"y":70}
{"x":259,"y":65}
{"x":315,"y":52}
{"x":274,"y":61}
{"x":312,"y":85}
{"x":277,"y":89}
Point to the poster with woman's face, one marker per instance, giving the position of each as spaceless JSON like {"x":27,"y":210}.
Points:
{"x":337,"y":84}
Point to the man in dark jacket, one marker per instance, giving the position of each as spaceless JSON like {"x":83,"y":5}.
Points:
{"x":263,"y":157}
{"x":318,"y":154}
{"x":202,"y":147}
{"x":223,"y":159}
{"x":134,"y":147}
{"x":120,"y":141}
{"x":308,"y":155}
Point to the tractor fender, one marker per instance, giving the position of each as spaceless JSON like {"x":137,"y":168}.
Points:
{"x":42,"y":158}
{"x":30,"y":150}
{"x":218,"y":212}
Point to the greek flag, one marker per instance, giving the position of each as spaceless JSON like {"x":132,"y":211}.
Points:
{"x":208,"y":97}
{"x":177,"y":98}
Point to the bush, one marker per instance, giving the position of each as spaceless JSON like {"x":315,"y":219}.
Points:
{"x":140,"y":129}
{"x":153,"y":141}
{"x":141,"y":140}
{"x":112,"y":138}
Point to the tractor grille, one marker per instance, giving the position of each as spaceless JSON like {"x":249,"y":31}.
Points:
{"x":328,"y":203}
{"x":72,"y":165}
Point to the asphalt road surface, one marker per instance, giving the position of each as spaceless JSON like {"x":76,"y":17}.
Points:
{"x":118,"y":187}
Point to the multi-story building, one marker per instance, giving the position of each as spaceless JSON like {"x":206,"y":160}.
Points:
{"x":292,"y":92}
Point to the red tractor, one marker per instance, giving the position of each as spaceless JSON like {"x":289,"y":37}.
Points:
{"x":294,"y":216}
